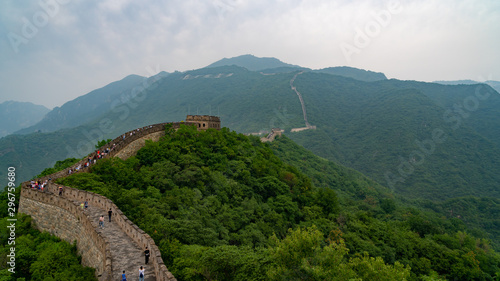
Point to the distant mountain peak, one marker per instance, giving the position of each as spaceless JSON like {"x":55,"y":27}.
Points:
{"x":355,"y":73}
{"x":252,"y":62}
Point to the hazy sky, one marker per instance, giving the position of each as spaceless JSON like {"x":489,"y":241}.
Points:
{"x":53,"y":51}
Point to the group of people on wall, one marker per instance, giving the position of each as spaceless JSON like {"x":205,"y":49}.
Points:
{"x":91,"y":160}
{"x":38,"y":184}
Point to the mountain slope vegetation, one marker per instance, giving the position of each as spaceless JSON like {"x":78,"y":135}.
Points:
{"x":252,"y":63}
{"x":355,"y":73}
{"x":85,"y":108}
{"x":223,"y":205}
{"x":424,"y":140}
{"x":494,"y":84}
{"x":395,"y":133}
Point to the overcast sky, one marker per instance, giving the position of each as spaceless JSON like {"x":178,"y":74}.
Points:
{"x":52,"y":52}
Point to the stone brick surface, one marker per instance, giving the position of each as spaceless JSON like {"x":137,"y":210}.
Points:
{"x":67,"y":222}
{"x":132,"y":148}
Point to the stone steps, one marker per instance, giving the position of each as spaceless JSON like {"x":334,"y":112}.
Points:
{"x":125,"y":253}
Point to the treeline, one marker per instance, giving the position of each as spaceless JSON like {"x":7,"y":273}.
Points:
{"x":223,"y":206}
{"x":478,"y":216}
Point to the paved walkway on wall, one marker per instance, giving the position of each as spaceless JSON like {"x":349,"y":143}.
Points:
{"x":125,"y":253}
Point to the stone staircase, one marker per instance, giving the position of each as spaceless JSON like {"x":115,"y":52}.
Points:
{"x":126,"y":254}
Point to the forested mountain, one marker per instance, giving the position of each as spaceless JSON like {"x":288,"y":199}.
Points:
{"x":494,"y":84}
{"x":224,"y":206}
{"x":425,"y":205}
{"x":355,"y":73}
{"x":480,"y":215}
{"x":16,"y":115}
{"x":383,"y":128}
{"x":273,"y":65}
{"x":252,"y":63}
{"x":87,"y":107}
{"x":406,"y":135}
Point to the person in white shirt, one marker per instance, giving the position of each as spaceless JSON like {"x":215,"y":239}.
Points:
{"x":141,"y":274}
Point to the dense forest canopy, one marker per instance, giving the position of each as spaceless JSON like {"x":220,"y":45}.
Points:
{"x":224,"y":206}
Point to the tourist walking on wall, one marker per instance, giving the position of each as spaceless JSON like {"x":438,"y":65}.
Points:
{"x":60,"y":190}
{"x":109,"y":214}
{"x":86,"y":204}
{"x":124,"y":277}
{"x":141,"y":274}
{"x":101,"y":222}
{"x":146,"y":255}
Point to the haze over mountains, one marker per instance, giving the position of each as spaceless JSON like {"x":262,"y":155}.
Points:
{"x":16,"y":115}
{"x":424,"y":140}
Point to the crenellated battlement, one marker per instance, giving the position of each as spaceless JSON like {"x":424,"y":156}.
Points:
{"x":63,"y":217}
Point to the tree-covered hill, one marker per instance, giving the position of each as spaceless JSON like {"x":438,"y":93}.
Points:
{"x":355,"y":73}
{"x":224,"y":206}
{"x":395,"y":133}
{"x":252,"y":63}
{"x":406,"y":135}
{"x":481,"y":216}
{"x":494,"y":84}
{"x":85,"y":108}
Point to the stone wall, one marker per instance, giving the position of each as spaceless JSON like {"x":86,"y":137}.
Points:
{"x":132,"y":148}
{"x":204,"y":122}
{"x":61,"y":215}
{"x":66,"y":220}
{"x":118,"y":144}
{"x":275,"y":132}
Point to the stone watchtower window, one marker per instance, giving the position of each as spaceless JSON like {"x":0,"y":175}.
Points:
{"x":204,"y":121}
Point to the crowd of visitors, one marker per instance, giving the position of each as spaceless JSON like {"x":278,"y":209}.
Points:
{"x":38,"y":184}
{"x":91,"y":160}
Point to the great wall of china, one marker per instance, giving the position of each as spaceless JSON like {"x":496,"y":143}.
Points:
{"x":276,"y":131}
{"x":120,"y":244}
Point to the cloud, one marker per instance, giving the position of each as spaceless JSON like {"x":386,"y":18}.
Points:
{"x":88,"y":44}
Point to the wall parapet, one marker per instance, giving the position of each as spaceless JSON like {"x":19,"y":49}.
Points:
{"x":128,"y":227}
{"x":116,"y":145}
{"x":72,"y":195}
{"x":99,"y":245}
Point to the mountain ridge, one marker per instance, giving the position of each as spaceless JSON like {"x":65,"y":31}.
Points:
{"x":84,"y":108}
{"x":494,"y":84}
{"x":362,"y":125}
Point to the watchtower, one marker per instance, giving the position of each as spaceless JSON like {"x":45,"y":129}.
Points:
{"x":204,"y":122}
